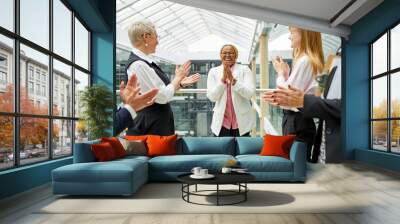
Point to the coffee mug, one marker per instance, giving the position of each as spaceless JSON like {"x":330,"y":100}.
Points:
{"x":226,"y":170}
{"x":203,"y":172}
{"x":196,"y":170}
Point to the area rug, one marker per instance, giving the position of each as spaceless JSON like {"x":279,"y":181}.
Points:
{"x":167,"y":198}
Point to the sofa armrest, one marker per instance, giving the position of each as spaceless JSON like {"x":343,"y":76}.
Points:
{"x":298,"y":155}
{"x":83,"y":152}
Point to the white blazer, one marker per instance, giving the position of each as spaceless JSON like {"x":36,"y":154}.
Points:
{"x":242,"y":92}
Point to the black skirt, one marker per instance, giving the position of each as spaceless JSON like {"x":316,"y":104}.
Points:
{"x":157,"y":119}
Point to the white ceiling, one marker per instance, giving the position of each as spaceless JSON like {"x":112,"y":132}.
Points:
{"x":317,"y":15}
{"x":320,"y":9}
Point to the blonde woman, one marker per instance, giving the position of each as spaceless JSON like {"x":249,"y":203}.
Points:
{"x":231,"y":87}
{"x":158,"y":118}
{"x":308,"y":63}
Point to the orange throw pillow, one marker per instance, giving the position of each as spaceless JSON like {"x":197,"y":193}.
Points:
{"x":103,"y":152}
{"x":277,"y":145}
{"x":161,"y":145}
{"x":136,"y":137}
{"x":116,"y":145}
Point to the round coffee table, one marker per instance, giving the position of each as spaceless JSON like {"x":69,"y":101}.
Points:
{"x":238,"y":179}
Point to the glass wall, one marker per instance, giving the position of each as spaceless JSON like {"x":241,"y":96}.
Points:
{"x":39,"y":85}
{"x":385,"y":96}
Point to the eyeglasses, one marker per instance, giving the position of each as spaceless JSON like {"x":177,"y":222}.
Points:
{"x":228,"y":53}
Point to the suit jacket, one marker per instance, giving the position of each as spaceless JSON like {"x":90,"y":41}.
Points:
{"x":123,"y":120}
{"x":328,"y":110}
{"x":242,"y":92}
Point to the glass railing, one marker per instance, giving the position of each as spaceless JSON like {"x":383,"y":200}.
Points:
{"x":193,"y":113}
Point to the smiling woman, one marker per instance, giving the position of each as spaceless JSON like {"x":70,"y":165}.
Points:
{"x":231,"y":87}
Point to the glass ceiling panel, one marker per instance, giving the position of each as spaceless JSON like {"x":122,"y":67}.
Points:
{"x":140,"y":5}
{"x":180,"y":26}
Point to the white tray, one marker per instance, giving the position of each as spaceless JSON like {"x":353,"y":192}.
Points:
{"x":208,"y":176}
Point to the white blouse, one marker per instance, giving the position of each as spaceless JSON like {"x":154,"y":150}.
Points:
{"x":301,"y":77}
{"x":148,"y":78}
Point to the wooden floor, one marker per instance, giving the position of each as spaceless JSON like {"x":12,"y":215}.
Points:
{"x":378,"y":188}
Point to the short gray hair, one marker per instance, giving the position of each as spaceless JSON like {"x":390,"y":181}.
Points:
{"x":138,"y":29}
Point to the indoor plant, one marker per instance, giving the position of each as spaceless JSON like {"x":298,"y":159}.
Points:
{"x":96,"y":102}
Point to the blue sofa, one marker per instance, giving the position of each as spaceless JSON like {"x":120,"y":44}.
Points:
{"x":125,"y":176}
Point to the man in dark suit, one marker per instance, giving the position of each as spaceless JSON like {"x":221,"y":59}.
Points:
{"x":133,"y":102}
{"x":327,"y":110}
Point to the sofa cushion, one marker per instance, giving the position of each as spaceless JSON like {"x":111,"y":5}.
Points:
{"x":206,"y":145}
{"x":249,"y":145}
{"x":116,"y":145}
{"x":185,"y":163}
{"x":103,"y":152}
{"x":277,"y":145}
{"x":134,"y":147}
{"x":83,"y":152}
{"x":161,"y":145}
{"x":257,"y":163}
{"x":112,"y":171}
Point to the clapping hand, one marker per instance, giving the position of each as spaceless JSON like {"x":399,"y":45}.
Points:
{"x":190,"y":80}
{"x":287,"y":97}
{"x":228,"y":77}
{"x":182,"y":71}
{"x":281,"y":67}
{"x":130,"y":94}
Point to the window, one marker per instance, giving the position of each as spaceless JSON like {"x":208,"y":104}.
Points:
{"x":62,"y":29}
{"x":44,"y":91}
{"x":54,"y":129}
{"x":30,"y":87}
{"x":7,"y":142}
{"x":38,"y":89}
{"x":34,"y":21}
{"x":385,"y":96}
{"x":44,"y":77}
{"x":81,"y":45}
{"x":30,"y":72}
{"x":37,"y":74}
{"x":62,"y":78}
{"x":3,"y":78}
{"x":7,"y":14}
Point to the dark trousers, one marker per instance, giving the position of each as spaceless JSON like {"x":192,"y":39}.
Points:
{"x":293,"y":123}
{"x":231,"y":133}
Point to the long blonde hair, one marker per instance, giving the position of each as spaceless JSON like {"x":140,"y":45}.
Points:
{"x":311,"y":45}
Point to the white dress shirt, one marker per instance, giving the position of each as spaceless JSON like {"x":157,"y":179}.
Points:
{"x":301,"y":77}
{"x":148,"y":78}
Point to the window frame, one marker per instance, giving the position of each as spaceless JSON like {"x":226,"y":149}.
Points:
{"x":18,"y":40}
{"x":388,"y":74}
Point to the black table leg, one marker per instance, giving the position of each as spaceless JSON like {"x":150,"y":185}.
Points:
{"x":217,"y":194}
{"x":245,"y":193}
